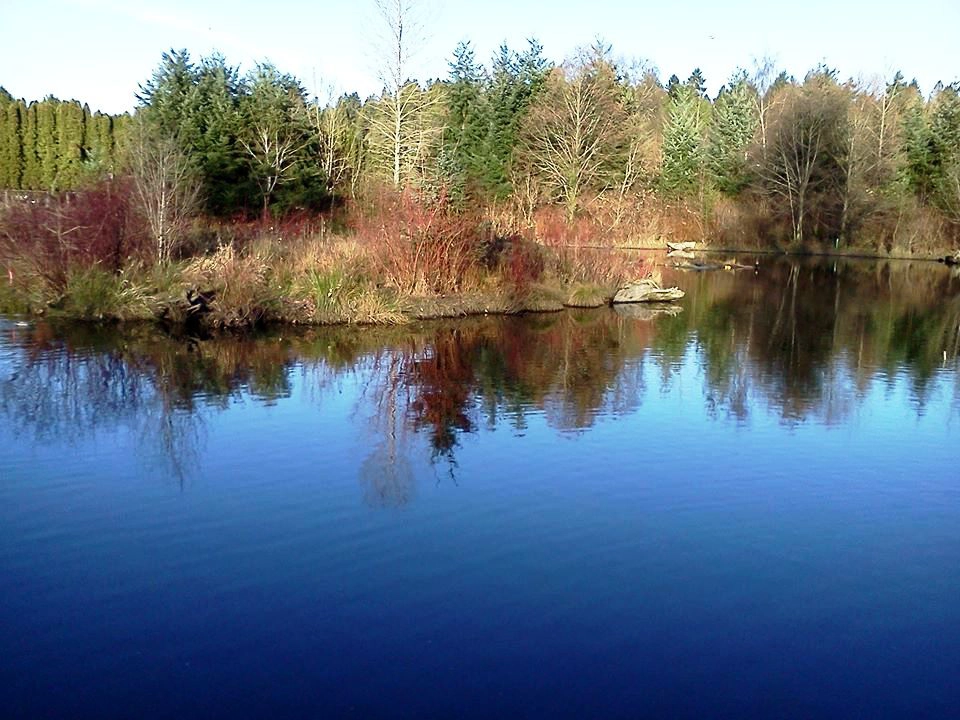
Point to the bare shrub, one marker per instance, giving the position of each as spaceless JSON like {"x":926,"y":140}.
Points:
{"x":420,"y":245}
{"x":51,"y":234}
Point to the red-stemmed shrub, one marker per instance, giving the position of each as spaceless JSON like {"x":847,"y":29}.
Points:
{"x":420,"y":244}
{"x":522,"y":264}
{"x":96,"y":226}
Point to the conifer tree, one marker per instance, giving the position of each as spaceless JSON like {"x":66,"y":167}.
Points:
{"x":5,"y":147}
{"x":697,"y":82}
{"x":11,"y":147}
{"x":164,"y":98}
{"x":673,"y":83}
{"x":47,"y":144}
{"x":209,"y":132}
{"x":920,"y":167}
{"x":733,"y":124}
{"x":517,"y":79}
{"x":71,"y":133}
{"x":466,"y":123}
{"x":683,"y":142}
{"x":31,"y":178}
{"x":945,"y":136}
{"x":100,"y":144}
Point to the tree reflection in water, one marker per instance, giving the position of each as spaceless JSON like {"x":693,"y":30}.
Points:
{"x":807,"y":340}
{"x":804,"y":341}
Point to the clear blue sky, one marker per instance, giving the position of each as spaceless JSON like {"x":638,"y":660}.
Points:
{"x":98,"y":51}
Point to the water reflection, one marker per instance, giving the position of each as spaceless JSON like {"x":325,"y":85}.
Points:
{"x":808,"y":339}
{"x":803,"y":341}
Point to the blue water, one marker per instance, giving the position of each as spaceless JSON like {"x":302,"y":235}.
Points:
{"x":714,"y":514}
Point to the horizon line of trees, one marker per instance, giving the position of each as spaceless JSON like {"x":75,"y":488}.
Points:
{"x":817,"y":158}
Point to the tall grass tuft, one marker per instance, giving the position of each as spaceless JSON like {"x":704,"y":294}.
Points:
{"x":99,"y":294}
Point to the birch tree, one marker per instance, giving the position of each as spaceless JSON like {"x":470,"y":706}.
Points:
{"x":165,"y":183}
{"x":401,"y":102}
{"x":338,"y":144}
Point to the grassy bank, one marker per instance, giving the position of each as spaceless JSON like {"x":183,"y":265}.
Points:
{"x":319,"y":281}
{"x":333,"y":280}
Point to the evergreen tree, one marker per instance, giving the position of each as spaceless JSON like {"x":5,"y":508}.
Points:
{"x":71,"y":132}
{"x":466,"y":123}
{"x":31,"y":178}
{"x":47,"y":144}
{"x":945,"y":147}
{"x":14,"y":145}
{"x":673,"y":84}
{"x":733,"y":124}
{"x":697,"y":82}
{"x":11,"y":148}
{"x":99,"y":145}
{"x":164,"y":99}
{"x":683,"y":142}
{"x":920,"y":150}
{"x":210,"y":127}
{"x":517,"y":79}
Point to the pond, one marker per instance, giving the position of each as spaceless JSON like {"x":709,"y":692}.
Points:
{"x":745,"y":507}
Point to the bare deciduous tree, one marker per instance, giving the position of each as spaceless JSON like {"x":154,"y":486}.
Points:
{"x":166,"y":185}
{"x":402,"y":101}
{"x":405,"y":130}
{"x":766,"y":82}
{"x":805,"y":149}
{"x":338,"y":145}
{"x":573,"y":130}
{"x":642,"y":131}
{"x":275,"y":133}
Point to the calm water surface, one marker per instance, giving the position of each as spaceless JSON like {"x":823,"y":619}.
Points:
{"x":749,"y":508}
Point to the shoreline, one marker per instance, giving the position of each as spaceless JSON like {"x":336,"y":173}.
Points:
{"x":178,"y":311}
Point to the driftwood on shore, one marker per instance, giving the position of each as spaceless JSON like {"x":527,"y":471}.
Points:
{"x":646,"y":291}
{"x":681,"y":246}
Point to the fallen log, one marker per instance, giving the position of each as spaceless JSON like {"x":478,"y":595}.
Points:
{"x":682,"y":246}
{"x":646,"y":291}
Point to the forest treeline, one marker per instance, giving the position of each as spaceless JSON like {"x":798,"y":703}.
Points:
{"x":770,"y":158}
{"x":493,"y":182}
